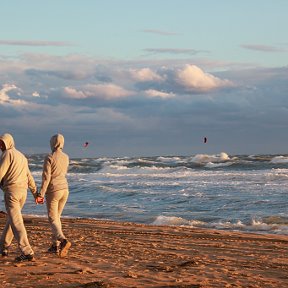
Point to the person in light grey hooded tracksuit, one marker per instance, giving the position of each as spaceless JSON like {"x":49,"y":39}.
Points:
{"x":15,"y":179}
{"x":55,"y":189}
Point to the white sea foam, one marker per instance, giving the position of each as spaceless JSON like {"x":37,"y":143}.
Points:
{"x":228,"y":225}
{"x":204,"y":158}
{"x":216,"y":165}
{"x":279,"y":159}
{"x":176,"y":221}
{"x":169,"y":159}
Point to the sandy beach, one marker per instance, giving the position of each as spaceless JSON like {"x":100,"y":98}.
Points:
{"x":111,"y":254}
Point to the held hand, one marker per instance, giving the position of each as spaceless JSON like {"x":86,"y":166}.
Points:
{"x":39,"y":200}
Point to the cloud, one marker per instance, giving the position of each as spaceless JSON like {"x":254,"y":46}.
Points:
{"x":160,"y":32}
{"x":173,"y":51}
{"x":101,"y":91}
{"x":3,"y":92}
{"x":35,"y":94}
{"x":145,"y":74}
{"x":173,"y":80}
{"x":34,"y":43}
{"x":75,"y":77}
{"x":5,"y":99}
{"x":154,"y":93}
{"x":263,"y":48}
{"x":193,"y":78}
{"x":76,"y":94}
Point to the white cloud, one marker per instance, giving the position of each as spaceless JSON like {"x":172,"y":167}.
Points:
{"x":3,"y":92}
{"x":35,"y":94}
{"x":102,"y":91}
{"x":19,"y":104}
{"x":193,"y":78}
{"x":73,"y":93}
{"x":5,"y":98}
{"x":145,"y":74}
{"x":155,"y":93}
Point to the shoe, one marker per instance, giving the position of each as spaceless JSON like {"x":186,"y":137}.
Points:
{"x":4,"y":253}
{"x":54,"y":249}
{"x":64,"y":247}
{"x":22,"y":257}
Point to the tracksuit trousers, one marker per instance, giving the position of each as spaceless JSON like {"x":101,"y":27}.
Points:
{"x":55,"y":202}
{"x":14,"y":202}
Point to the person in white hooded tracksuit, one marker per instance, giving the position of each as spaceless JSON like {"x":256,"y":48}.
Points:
{"x":55,"y":189}
{"x":15,"y":179}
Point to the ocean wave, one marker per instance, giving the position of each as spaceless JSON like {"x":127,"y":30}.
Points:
{"x":273,"y":224}
{"x":176,"y":221}
{"x":205,"y":158}
{"x":217,"y":165}
{"x":279,"y":159}
{"x":161,"y":163}
{"x":169,"y":159}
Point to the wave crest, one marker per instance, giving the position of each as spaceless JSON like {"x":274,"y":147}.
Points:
{"x":205,"y":158}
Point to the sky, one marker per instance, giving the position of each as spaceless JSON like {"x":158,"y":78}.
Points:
{"x":145,"y":78}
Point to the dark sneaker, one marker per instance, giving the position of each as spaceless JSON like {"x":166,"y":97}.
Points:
{"x":54,"y":249}
{"x":22,"y":258}
{"x":4,"y":253}
{"x":64,"y":247}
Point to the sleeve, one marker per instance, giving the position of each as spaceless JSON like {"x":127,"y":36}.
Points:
{"x":31,"y":183}
{"x":46,"y":176}
{"x":4,"y":165}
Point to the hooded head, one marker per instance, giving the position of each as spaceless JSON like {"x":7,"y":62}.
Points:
{"x":57,"y":142}
{"x":8,"y":141}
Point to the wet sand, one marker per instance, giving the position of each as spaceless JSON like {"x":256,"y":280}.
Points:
{"x":112,"y":254}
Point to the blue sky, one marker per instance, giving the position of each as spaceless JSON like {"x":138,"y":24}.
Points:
{"x":145,"y":77}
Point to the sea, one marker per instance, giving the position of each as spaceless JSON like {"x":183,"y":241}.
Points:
{"x":246,"y":193}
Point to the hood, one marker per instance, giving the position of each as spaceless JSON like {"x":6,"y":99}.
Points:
{"x":57,"y":142}
{"x":8,"y":140}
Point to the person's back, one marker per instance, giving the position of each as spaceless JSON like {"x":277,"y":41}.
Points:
{"x":55,"y":167}
{"x":55,"y":188}
{"x":14,"y":173}
{"x":59,"y":167}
